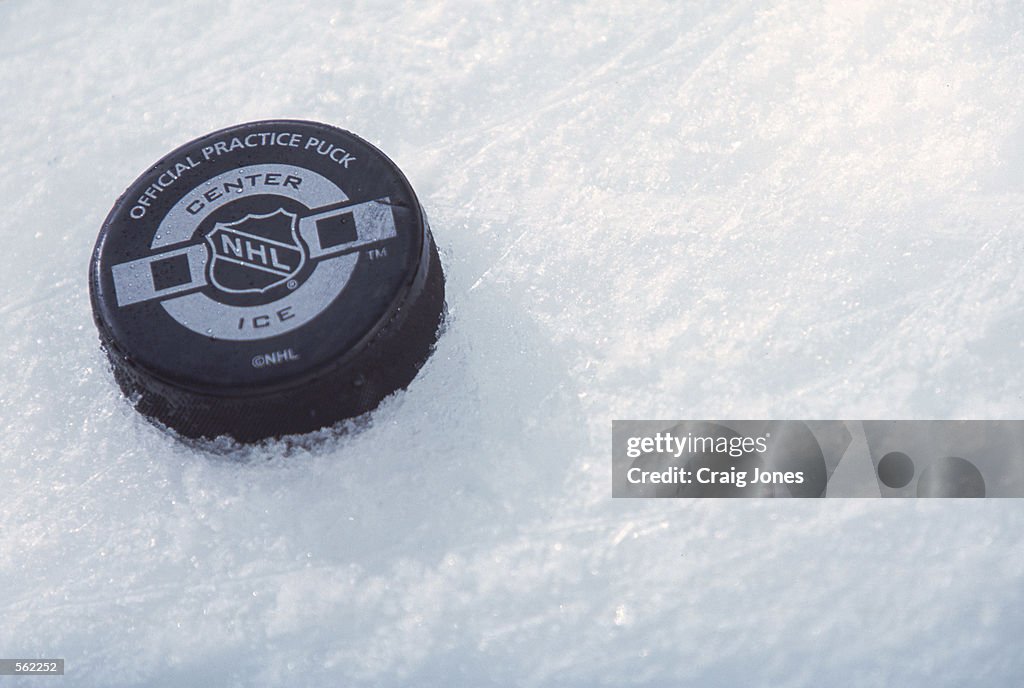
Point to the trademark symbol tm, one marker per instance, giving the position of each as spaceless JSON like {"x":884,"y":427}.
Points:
{"x":377,"y":253}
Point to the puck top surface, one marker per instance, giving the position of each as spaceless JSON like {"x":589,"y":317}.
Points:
{"x":255,"y":257}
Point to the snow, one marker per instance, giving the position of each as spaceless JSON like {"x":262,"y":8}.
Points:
{"x":645,"y":210}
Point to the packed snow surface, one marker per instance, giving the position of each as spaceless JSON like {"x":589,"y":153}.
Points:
{"x":645,"y":210}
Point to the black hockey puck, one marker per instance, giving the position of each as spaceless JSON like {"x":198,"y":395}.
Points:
{"x":267,"y":279}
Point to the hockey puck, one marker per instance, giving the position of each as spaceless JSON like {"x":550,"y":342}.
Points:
{"x":267,"y":279}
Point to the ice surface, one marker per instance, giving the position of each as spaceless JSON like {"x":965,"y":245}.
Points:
{"x":645,"y":210}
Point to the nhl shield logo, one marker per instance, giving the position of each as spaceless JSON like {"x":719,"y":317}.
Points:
{"x":256,"y":253}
